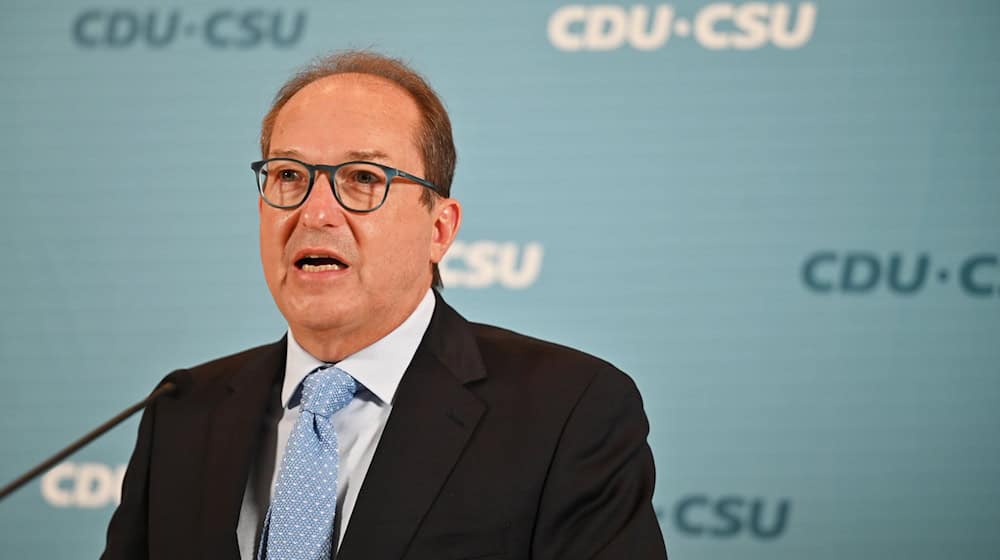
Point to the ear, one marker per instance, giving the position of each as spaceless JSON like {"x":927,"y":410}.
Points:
{"x":447,"y":213}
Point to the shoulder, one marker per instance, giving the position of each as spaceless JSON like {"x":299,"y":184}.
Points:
{"x":527,"y":364}
{"x":533,"y":362}
{"x":500,"y":345}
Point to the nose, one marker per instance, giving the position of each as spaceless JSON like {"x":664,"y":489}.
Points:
{"x":321,"y":208}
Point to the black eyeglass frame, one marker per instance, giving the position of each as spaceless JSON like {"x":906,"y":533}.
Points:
{"x":390,"y":174}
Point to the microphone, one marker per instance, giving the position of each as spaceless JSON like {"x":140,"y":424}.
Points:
{"x":175,"y":385}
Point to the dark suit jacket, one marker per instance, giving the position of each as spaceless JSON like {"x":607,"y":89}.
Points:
{"x":499,"y":446}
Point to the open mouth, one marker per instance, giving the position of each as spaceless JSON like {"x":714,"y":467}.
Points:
{"x":319,"y":263}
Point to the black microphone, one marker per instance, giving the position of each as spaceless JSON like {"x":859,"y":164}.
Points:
{"x":175,"y":384}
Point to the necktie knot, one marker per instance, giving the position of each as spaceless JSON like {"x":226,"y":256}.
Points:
{"x":327,"y":390}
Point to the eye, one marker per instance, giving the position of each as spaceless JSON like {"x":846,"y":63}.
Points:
{"x":289,"y":175}
{"x":366,"y":177}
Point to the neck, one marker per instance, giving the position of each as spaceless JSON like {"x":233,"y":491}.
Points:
{"x":335,"y":344}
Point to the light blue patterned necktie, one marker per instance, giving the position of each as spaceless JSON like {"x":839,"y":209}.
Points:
{"x":299,"y":523}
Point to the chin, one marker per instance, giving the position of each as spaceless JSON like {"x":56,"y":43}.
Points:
{"x":321,"y":313}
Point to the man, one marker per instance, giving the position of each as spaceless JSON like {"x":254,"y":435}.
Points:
{"x":434,"y":437}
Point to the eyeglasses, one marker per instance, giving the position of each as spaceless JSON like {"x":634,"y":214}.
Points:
{"x":359,"y":186}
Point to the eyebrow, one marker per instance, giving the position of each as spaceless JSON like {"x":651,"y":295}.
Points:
{"x":285,"y":153}
{"x":372,"y":155}
{"x":368,"y":154}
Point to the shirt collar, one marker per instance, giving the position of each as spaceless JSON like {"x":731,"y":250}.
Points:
{"x":378,"y":367}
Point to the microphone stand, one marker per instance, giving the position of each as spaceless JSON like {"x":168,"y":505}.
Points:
{"x":166,"y":388}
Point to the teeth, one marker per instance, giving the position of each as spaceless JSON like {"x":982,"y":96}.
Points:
{"x":320,"y":267}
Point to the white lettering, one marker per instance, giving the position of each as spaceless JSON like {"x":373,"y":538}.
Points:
{"x":704,"y":26}
{"x":518,"y":277}
{"x":716,"y":26}
{"x":605,"y":28}
{"x":117,"y":480}
{"x":559,"y":28}
{"x":93,"y":485}
{"x":657,"y":35}
{"x":804,"y":25}
{"x":83,"y":485}
{"x":752,"y":20}
{"x":481,"y":264}
{"x":52,"y":485}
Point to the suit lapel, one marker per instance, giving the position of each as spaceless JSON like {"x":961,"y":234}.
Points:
{"x":432,"y":418}
{"x":234,"y":432}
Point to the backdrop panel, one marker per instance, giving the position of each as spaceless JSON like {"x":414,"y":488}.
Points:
{"x":779,"y":217}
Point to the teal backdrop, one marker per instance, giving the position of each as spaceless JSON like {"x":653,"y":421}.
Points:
{"x":781,"y":218}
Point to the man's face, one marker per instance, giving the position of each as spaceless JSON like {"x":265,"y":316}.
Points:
{"x":382,"y":259}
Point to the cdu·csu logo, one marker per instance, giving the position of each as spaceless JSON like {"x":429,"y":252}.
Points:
{"x":482,"y":264}
{"x":865,"y":272}
{"x":728,"y":516}
{"x":716,"y":26}
{"x":83,"y":485}
{"x":122,"y":28}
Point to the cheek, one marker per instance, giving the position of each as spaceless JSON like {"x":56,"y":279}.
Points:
{"x":274,"y":232}
{"x":399,"y":245}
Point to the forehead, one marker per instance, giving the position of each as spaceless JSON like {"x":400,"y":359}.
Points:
{"x":367,"y":112}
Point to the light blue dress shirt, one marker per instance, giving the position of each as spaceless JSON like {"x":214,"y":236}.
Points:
{"x":378,"y":370}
